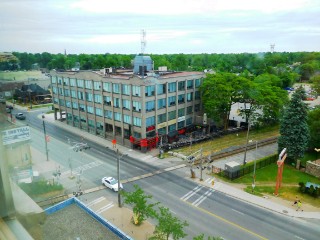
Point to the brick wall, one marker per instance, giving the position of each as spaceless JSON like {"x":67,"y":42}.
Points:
{"x":313,"y":168}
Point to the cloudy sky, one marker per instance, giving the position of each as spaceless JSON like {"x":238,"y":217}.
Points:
{"x":172,"y":26}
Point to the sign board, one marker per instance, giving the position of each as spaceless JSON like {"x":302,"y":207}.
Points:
{"x":15,"y":135}
{"x":180,"y":119}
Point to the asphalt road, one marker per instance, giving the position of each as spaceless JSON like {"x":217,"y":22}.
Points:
{"x":207,"y":211}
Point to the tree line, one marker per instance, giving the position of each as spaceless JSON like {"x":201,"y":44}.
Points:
{"x":305,"y":64}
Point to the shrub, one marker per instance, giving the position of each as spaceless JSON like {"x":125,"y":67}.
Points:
{"x":39,"y":187}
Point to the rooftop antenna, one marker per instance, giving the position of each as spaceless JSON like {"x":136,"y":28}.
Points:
{"x":143,"y":41}
{"x":272,"y":47}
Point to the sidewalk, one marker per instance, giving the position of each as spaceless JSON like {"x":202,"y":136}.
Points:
{"x":207,"y":179}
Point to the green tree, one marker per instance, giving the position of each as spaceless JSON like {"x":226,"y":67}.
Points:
{"x":219,"y":92}
{"x":314,"y":127}
{"x":141,"y":208}
{"x":316,"y":84}
{"x":168,"y":225}
{"x":294,"y":131}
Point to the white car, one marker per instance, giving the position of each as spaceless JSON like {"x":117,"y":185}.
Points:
{"x":111,"y":183}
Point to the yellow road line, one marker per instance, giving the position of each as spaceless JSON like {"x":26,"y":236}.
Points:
{"x":227,"y":221}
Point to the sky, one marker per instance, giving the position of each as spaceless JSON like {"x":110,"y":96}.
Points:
{"x":171,"y":26}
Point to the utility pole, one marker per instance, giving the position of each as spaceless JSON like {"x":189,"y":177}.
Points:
{"x":247,"y":140}
{"x":45,"y":136}
{"x":201,"y":179}
{"x":118,"y":173}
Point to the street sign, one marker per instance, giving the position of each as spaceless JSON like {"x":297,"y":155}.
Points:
{"x":15,"y":135}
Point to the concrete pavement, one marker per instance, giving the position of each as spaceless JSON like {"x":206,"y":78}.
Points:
{"x":172,"y":162}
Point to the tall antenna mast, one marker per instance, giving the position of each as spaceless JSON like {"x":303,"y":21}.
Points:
{"x":272,"y":47}
{"x":143,"y":41}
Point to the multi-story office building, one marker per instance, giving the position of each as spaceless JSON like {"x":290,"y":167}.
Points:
{"x":128,"y":106}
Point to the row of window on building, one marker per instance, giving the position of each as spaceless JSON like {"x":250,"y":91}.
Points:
{"x":127,"y":89}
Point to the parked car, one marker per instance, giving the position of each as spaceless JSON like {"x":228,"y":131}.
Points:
{"x":111,"y":183}
{"x":20,"y":116}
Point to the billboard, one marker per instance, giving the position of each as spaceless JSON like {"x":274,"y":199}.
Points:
{"x":15,"y":135}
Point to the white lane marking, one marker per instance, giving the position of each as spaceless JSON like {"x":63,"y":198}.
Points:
{"x":203,"y":197}
{"x":173,"y":212}
{"x":237,"y":211}
{"x":208,"y":180}
{"x":191,"y":193}
{"x":100,"y":199}
{"x":105,"y":208}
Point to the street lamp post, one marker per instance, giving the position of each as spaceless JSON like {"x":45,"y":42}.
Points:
{"x":247,"y":140}
{"x":254,"y":168}
{"x":45,"y":136}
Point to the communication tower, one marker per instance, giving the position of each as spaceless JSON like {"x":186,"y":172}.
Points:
{"x":272,"y":47}
{"x":143,"y":41}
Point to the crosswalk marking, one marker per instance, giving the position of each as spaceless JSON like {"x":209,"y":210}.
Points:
{"x":100,"y":199}
{"x":105,"y":208}
{"x":191,"y":193}
{"x":202,"y":198}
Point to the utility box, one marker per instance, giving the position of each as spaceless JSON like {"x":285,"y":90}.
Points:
{"x":232,"y":169}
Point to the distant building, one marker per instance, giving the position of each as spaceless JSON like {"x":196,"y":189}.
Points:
{"x":134,"y":107}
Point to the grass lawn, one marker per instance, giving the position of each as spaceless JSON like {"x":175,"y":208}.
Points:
{"x":20,"y":75}
{"x":266,"y":181}
{"x":230,"y":140}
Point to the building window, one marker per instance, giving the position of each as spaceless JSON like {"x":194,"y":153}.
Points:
{"x":181,"y":112}
{"x":136,"y":106}
{"x":161,"y":103}
{"x":197,"y":83}
{"x":150,"y":106}
{"x":197,"y":95}
{"x":172,"y":101}
{"x":126,"y":119}
{"x":162,"y":118}
{"x":126,"y":104}
{"x":162,"y":131}
{"x":189,"y":110}
{"x":137,"y":121}
{"x":107,"y":100}
{"x":96,"y":85}
{"x":118,"y":131}
{"x":97,"y":98}
{"x":116,"y":102}
{"x":67,"y":92}
{"x":54,"y":90}
{"x":150,"y":123}
{"x":69,"y":117}
{"x":136,"y":135}
{"x":73,"y":82}
{"x":55,"y":100}
{"x":149,"y":91}
{"x":189,"y":121}
{"x":82,"y":107}
{"x":89,"y":97}
{"x":66,"y":81}
{"x":181,"y":124}
{"x":190,"y":84}
{"x":74,"y":105}
{"x":99,"y":112}
{"x":90,"y":109}
{"x":109,"y":128}
{"x":60,"y":91}
{"x":106,"y":87}
{"x":88,"y":84}
{"x":73,"y":94}
{"x":181,"y":98}
{"x":172,"y":87}
{"x":116,"y":88}
{"x":99,"y":126}
{"x":62,"y":102}
{"x":136,"y":91}
{"x":189,"y":97}
{"x":117,"y":116}
{"x":172,"y":128}
{"x":80,"y":95}
{"x":108,"y":114}
{"x":60,"y":80}
{"x":68,"y":104}
{"x":54,"y":79}
{"x":90,"y":123}
{"x":80,"y":83}
{"x":181,"y":86}
{"x":125,"y":89}
{"x":197,"y":107}
{"x":161,"y":89}
{"x":172,"y":115}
